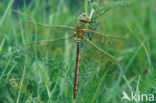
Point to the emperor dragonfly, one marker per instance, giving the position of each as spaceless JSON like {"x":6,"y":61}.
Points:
{"x":89,"y":44}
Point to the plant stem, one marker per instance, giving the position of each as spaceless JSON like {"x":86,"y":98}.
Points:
{"x":6,"y":12}
{"x":86,"y":6}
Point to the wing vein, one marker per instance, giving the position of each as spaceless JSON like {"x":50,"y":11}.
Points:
{"x":50,"y":26}
{"x":53,"y":40}
{"x":107,"y":36}
{"x":109,"y":55}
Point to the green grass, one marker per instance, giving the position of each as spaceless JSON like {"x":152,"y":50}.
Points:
{"x":50,"y":79}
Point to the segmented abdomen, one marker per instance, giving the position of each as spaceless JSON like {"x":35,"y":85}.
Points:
{"x":77,"y":69}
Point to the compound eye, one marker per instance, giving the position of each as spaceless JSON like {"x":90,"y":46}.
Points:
{"x":83,"y":14}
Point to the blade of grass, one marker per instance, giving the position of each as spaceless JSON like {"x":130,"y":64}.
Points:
{"x":6,"y":12}
{"x":139,"y":40}
{"x":22,"y":33}
{"x":137,"y":87}
{"x":10,"y":58}
{"x":10,"y":71}
{"x":99,"y":86}
{"x":2,"y":43}
{"x":19,"y":93}
{"x":125,"y":78}
{"x":131,"y":60}
{"x":86,"y":7}
{"x":45,"y":79}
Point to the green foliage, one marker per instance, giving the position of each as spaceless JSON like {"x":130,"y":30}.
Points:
{"x":50,"y":79}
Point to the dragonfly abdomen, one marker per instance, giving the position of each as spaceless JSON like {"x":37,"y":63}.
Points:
{"x":77,"y":69}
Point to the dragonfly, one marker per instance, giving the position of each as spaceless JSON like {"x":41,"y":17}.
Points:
{"x":89,"y":43}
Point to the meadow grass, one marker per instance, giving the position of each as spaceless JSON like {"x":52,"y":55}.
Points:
{"x":27,"y":78}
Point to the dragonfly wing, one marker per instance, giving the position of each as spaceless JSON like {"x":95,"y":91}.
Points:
{"x":55,"y":47}
{"x":49,"y":40}
{"x":96,"y":56}
{"x":42,"y":31}
{"x":106,"y":42}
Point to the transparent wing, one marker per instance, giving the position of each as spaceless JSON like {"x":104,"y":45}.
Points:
{"x":95,"y":55}
{"x":54,"y":47}
{"x":49,"y":40}
{"x":106,"y":42}
{"x":41,"y":31}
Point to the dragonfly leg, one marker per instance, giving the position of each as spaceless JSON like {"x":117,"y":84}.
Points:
{"x":89,"y":36}
{"x":91,"y":28}
{"x":92,"y":21}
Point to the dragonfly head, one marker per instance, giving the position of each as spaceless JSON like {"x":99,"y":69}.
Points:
{"x":84,"y":17}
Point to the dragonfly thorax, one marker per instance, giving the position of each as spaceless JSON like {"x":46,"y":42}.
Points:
{"x":78,"y":35}
{"x":79,"y":39}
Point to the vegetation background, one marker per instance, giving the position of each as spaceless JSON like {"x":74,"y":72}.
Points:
{"x":26,"y":80}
